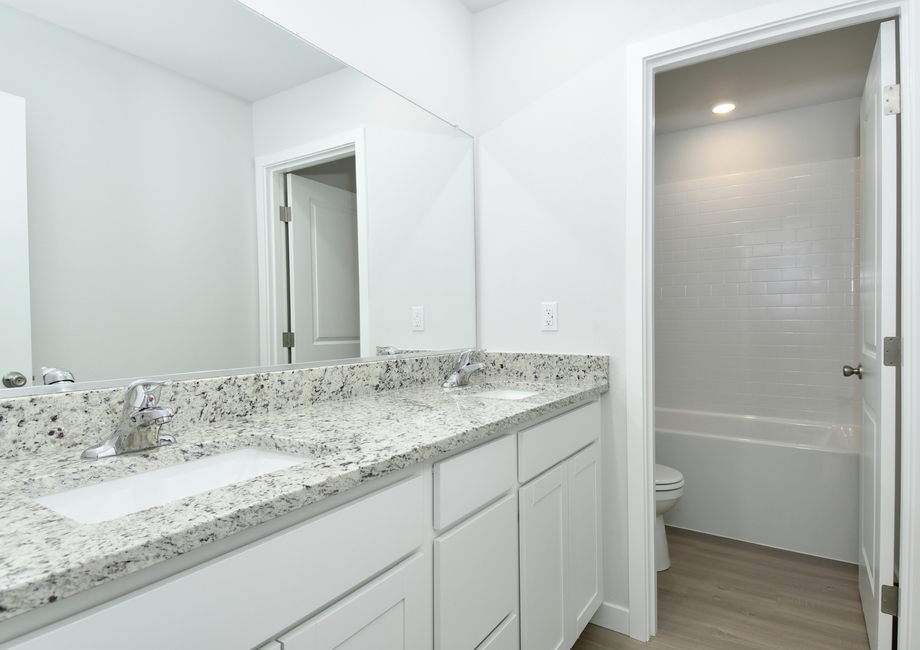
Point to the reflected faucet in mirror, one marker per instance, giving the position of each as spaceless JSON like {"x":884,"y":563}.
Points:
{"x":56,"y":376}
{"x":141,"y":419}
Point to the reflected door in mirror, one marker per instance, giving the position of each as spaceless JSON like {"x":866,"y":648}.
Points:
{"x":323,"y":258}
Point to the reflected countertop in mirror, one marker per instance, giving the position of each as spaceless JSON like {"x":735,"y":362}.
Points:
{"x":162,"y":139}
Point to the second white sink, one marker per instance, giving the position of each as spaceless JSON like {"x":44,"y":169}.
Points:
{"x":124,"y":496}
{"x":506,"y":393}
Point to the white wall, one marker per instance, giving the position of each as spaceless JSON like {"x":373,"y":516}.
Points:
{"x":419,"y":202}
{"x":422,"y":49}
{"x":549,"y":109}
{"x":795,"y":137}
{"x":130,"y":253}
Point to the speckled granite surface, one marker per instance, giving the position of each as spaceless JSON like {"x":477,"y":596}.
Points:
{"x":355,"y":422}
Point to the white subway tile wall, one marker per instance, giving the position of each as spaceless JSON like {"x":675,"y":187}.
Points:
{"x":757,"y":293}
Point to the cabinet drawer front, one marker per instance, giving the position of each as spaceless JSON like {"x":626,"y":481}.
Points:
{"x":387,"y":614}
{"x":505,"y":637}
{"x":468,"y":481}
{"x":476,"y":577}
{"x":550,"y":442}
{"x":255,"y":591}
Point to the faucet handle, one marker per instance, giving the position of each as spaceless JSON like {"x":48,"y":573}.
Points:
{"x":144,"y":393}
{"x":464,"y":357}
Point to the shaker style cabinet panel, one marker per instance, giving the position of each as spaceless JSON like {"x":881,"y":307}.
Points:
{"x":506,"y":636}
{"x":387,"y":614}
{"x":476,"y":577}
{"x":544,"y":552}
{"x":585,"y":564}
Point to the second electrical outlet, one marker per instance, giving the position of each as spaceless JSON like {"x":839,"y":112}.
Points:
{"x":418,"y":319}
{"x":549,"y":321}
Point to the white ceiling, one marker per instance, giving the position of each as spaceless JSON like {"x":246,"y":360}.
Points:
{"x":219,"y":43}
{"x":479,"y":5}
{"x":813,"y":70}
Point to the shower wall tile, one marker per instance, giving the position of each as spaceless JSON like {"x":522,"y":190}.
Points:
{"x":757,"y":304}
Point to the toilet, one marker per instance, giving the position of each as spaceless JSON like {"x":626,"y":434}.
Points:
{"x":669,"y":487}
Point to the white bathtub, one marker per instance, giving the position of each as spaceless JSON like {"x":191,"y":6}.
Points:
{"x":782,"y":483}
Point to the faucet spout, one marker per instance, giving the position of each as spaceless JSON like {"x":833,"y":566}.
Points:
{"x":141,"y":419}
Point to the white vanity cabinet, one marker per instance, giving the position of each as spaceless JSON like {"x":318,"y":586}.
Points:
{"x":560,"y":538}
{"x":496,"y":547}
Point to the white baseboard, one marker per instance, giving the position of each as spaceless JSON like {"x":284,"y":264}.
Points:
{"x":613,"y":617}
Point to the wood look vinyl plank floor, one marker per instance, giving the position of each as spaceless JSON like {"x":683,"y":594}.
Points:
{"x":722,"y":594}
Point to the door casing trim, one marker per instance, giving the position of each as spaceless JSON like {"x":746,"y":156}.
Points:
{"x":270,"y":170}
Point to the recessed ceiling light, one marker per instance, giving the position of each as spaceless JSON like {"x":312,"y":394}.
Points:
{"x":723,"y":107}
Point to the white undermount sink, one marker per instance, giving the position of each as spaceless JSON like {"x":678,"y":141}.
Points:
{"x":104,"y":501}
{"x":506,"y":393}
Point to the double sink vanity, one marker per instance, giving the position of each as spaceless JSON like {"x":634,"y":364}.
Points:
{"x":375,"y":509}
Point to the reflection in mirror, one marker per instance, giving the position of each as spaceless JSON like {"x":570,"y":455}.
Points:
{"x":162,"y":139}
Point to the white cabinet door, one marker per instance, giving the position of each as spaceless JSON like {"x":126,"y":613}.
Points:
{"x":544,"y":549}
{"x":561,"y":570}
{"x":585,"y":568}
{"x":387,"y":614}
{"x":476,"y":577}
{"x":507,"y":636}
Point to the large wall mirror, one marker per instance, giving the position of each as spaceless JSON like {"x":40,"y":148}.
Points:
{"x":152,"y":154}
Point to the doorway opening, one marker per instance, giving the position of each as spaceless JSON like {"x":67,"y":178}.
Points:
{"x":732,"y":34}
{"x":757,"y":297}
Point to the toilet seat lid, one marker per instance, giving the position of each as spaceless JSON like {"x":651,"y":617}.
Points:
{"x":666,"y":477}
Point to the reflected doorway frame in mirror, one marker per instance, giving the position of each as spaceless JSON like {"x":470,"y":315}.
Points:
{"x":270,"y":196}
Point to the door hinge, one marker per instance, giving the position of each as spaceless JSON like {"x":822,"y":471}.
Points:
{"x":892,"y":355}
{"x":891,"y":99}
{"x":286,"y":213}
{"x":890,"y":600}
{"x":287,"y":339}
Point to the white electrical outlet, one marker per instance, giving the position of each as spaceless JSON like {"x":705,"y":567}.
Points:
{"x":418,"y":319}
{"x":548,"y":317}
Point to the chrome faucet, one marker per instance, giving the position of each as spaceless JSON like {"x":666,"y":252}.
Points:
{"x":463,"y":370}
{"x":141,"y":418}
{"x":56,"y":376}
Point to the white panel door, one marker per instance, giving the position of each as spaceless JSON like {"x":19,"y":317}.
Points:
{"x":16,"y":333}
{"x":544,"y":549}
{"x":585,"y":569}
{"x":387,"y":614}
{"x":324,"y":271}
{"x":878,"y":314}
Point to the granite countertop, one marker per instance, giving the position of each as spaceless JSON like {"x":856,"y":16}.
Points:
{"x":45,"y":556}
